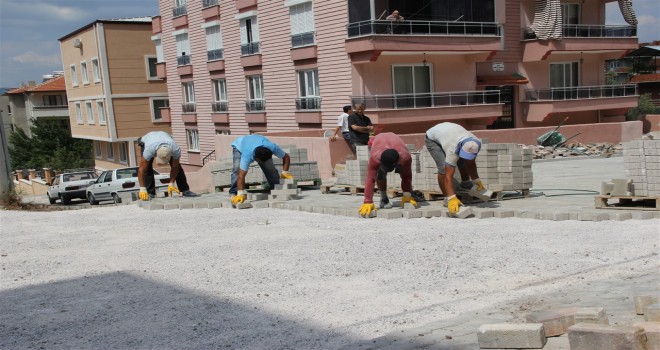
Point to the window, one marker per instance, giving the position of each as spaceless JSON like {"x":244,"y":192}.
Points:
{"x":53,"y":100}
{"x":152,"y":73}
{"x":570,"y":13}
{"x":249,"y":36}
{"x":222,"y":132}
{"x":101,"y":110}
{"x":255,"y":93}
{"x":156,"y":105}
{"x":308,"y":83}
{"x":302,"y":24}
{"x":110,"y":150}
{"x":83,"y":71}
{"x":74,"y":75}
{"x":96,"y":70}
{"x":188,"y":97}
{"x":123,"y":152}
{"x":412,"y":86}
{"x":79,"y":117}
{"x":213,"y":43}
{"x":193,"y":140}
{"x":219,"y":95}
{"x":159,"y":49}
{"x":179,"y":8}
{"x":564,"y":74}
{"x":97,"y":148}
{"x":90,"y":113}
{"x":182,"y":49}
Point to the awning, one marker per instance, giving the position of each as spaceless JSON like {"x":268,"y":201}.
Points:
{"x":501,"y":80}
{"x":645,"y":51}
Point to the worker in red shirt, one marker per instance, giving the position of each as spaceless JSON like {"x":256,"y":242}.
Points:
{"x":388,"y":153}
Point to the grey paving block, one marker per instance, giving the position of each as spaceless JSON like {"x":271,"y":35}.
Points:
{"x":555,"y":216}
{"x":645,"y":297}
{"x":527,"y":214}
{"x":433,"y":212}
{"x":187,"y":205}
{"x":409,"y":206}
{"x":504,"y":214}
{"x":642,"y":215}
{"x":216,"y":204}
{"x":171,"y":206}
{"x":153,"y":206}
{"x":260,"y":204}
{"x":389,"y":214}
{"x":330,"y":211}
{"x":591,"y":315}
{"x":412,"y":214}
{"x":318,"y":209}
{"x":652,"y":333}
{"x":201,"y":205}
{"x":276,"y":204}
{"x":555,"y":321}
{"x":511,"y":335}
{"x":652,"y":313}
{"x":620,"y":216}
{"x":464,"y":212}
{"x":483,"y":214}
{"x":587,"y":336}
{"x":593,"y":216}
{"x":244,"y":205}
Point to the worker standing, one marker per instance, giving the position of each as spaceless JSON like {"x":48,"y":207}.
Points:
{"x":388,"y":153}
{"x":452,"y":146}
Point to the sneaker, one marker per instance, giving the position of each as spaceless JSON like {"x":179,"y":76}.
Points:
{"x":189,"y":193}
{"x":385,"y":204}
{"x":466,"y":185}
{"x":445,"y":202}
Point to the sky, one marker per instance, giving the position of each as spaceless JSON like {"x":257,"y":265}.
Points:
{"x":29,"y":29}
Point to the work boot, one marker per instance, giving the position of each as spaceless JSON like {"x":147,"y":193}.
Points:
{"x":466,"y":185}
{"x":385,"y":203}
{"x":189,"y":193}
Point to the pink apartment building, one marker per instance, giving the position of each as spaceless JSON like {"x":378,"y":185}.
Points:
{"x":275,"y":65}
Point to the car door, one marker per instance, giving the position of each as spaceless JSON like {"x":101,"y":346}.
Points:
{"x":100,"y":189}
{"x":54,"y":188}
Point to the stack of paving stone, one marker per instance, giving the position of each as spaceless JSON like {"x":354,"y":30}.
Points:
{"x":356,"y":170}
{"x":642,"y":165}
{"x":301,"y":168}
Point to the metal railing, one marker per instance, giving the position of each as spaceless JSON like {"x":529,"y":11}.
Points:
{"x":255,"y":105}
{"x":429,"y":100}
{"x":209,"y":157}
{"x":50,"y":107}
{"x":209,"y":3}
{"x":183,"y":60}
{"x":220,"y":106}
{"x":581,"y":92}
{"x":179,"y":11}
{"x":303,"y":39}
{"x":250,"y":49}
{"x":371,"y":27}
{"x":589,"y":31}
{"x":214,"y":55}
{"x":308,"y":103}
{"x":188,"y":107}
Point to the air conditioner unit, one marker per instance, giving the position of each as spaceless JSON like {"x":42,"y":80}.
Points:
{"x":77,"y":43}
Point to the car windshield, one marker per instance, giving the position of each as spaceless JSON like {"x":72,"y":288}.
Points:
{"x":78,"y":176}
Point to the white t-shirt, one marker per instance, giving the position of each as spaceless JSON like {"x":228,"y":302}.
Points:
{"x":449,"y":135}
{"x":343,"y":122}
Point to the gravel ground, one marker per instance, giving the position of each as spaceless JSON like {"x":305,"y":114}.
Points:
{"x":122,"y":277}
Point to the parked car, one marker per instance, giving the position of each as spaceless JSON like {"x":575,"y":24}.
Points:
{"x":111,"y":184}
{"x":70,"y":185}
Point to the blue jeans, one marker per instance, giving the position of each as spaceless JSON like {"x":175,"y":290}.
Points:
{"x":268,"y":167}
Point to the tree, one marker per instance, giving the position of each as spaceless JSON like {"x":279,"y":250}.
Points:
{"x":50,"y":145}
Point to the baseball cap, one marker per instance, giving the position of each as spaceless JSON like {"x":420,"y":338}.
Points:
{"x":388,"y":160}
{"x":469,"y":148}
{"x":163,"y":154}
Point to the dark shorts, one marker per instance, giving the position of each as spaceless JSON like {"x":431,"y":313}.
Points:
{"x":346,"y":135}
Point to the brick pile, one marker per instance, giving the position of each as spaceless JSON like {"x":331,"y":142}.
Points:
{"x":642,"y":165}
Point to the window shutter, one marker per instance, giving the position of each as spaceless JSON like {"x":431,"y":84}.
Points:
{"x":293,"y":14}
{"x":255,"y":30}
{"x":182,"y":44}
{"x":213,"y":38}
{"x":243,"y":32}
{"x":159,"y":51}
{"x":307,"y":18}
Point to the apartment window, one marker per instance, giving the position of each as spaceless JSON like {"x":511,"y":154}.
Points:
{"x":213,"y":43}
{"x":308,"y":86}
{"x":160,"y":57}
{"x":412,"y":86}
{"x":222,"y":132}
{"x":123,"y":152}
{"x":79,"y":117}
{"x":570,"y":13}
{"x":219,"y":95}
{"x":564,"y":74}
{"x":179,"y":8}
{"x":182,"y":49}
{"x":255,"y":93}
{"x":98,"y":150}
{"x":156,"y":105}
{"x":96,"y":70}
{"x":302,"y":24}
{"x":110,"y":150}
{"x":74,"y":75}
{"x":53,"y":100}
{"x":188,"y":97}
{"x":249,"y":36}
{"x":90,"y":113}
{"x":101,"y":110}
{"x":83,"y":71}
{"x":193,"y":140}
{"x":152,"y":73}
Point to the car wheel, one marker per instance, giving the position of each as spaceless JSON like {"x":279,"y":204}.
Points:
{"x":91,"y":199}
{"x":66,"y":201}
{"x":116,"y":198}
{"x":51,"y":199}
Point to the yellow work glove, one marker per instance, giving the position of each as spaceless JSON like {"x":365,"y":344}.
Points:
{"x":407,"y":198}
{"x":143,"y":195}
{"x":480,"y":185}
{"x":239,"y":198}
{"x":366,"y":209}
{"x":453,"y":205}
{"x":171,"y":188}
{"x":286,"y":175}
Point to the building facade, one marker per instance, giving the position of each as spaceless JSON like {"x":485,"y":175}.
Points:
{"x":250,"y":66}
{"x":114,"y":93}
{"x":37,"y":101}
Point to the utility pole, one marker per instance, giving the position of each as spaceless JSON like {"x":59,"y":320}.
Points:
{"x":6,"y":180}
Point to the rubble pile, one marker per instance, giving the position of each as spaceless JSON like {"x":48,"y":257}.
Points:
{"x":576,"y":149}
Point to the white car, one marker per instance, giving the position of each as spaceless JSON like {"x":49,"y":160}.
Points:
{"x":112,"y":184}
{"x":69,"y":185}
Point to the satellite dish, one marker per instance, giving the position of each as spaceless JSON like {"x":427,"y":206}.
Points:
{"x":328,"y":133}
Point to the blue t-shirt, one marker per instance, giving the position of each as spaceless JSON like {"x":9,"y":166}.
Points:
{"x":248,"y":143}
{"x":154,"y":139}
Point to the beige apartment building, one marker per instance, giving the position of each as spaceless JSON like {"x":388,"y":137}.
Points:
{"x":250,"y":66}
{"x":114,"y":93}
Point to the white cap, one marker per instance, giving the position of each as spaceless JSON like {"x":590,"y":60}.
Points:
{"x":469,"y":149}
{"x":163,"y":155}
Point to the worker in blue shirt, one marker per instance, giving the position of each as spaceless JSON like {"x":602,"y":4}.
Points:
{"x":250,"y":148}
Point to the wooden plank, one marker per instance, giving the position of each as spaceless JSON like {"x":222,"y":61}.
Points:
{"x":627,"y":202}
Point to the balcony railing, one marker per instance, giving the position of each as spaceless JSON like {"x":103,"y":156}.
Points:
{"x":214,"y":55}
{"x":590,"y":31}
{"x":179,"y":11}
{"x":209,"y":3}
{"x":220,"y":106}
{"x":303,"y":39}
{"x":429,"y":100}
{"x":41,"y":108}
{"x":250,"y":49}
{"x":580,"y":92}
{"x":371,"y":27}
{"x":188,"y":107}
{"x":183,"y":60}
{"x":255,"y":105}
{"x":308,"y":103}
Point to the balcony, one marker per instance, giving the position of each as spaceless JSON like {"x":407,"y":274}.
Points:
{"x":210,"y":9}
{"x":183,"y":60}
{"x":183,"y":65}
{"x":303,"y":39}
{"x":255,"y":105}
{"x":308,"y":103}
{"x":256,"y":111}
{"x":220,"y":106}
{"x":209,"y":3}
{"x":214,"y":55}
{"x":161,"y":70}
{"x":179,"y":17}
{"x":540,"y":103}
{"x":589,"y":31}
{"x":250,"y":49}
{"x":245,"y":4}
{"x":179,"y":11}
{"x":188,"y":107}
{"x":50,"y":111}
{"x":308,"y":110}
{"x":410,"y":28}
